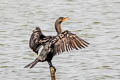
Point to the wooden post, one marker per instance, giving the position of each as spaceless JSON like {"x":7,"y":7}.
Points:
{"x":52,"y":72}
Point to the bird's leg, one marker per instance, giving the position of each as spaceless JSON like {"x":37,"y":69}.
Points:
{"x":50,"y":65}
{"x":52,"y":71}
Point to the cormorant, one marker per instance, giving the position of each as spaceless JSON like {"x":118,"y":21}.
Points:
{"x":52,"y":45}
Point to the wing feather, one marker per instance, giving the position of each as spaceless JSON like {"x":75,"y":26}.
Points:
{"x":67,"y":41}
{"x":63,"y":48}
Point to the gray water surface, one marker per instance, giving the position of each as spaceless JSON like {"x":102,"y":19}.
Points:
{"x":96,"y":21}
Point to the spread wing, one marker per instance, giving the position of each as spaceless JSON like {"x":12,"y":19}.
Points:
{"x":36,"y":36}
{"x":67,"y":41}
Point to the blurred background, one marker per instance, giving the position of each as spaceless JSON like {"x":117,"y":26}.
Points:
{"x":96,"y":21}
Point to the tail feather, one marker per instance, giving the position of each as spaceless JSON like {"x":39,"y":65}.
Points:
{"x":32,"y":64}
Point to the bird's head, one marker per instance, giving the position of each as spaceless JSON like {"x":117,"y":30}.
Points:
{"x":62,"y":19}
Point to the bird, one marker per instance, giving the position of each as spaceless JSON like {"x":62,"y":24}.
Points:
{"x":53,"y":45}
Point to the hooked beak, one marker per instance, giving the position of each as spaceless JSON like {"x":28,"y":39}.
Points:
{"x":65,"y":19}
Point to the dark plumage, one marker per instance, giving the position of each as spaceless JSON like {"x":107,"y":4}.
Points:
{"x":52,"y":45}
{"x":37,"y":39}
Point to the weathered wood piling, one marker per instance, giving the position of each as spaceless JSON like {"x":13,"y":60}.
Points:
{"x":52,"y":72}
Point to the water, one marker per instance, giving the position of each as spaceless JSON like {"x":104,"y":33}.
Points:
{"x":96,"y":21}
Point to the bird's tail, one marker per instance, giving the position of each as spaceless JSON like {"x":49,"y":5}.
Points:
{"x":32,"y":64}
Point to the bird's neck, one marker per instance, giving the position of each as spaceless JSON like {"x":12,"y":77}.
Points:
{"x":58,"y":27}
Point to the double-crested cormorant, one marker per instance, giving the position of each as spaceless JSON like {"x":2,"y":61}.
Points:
{"x":63,"y":41}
